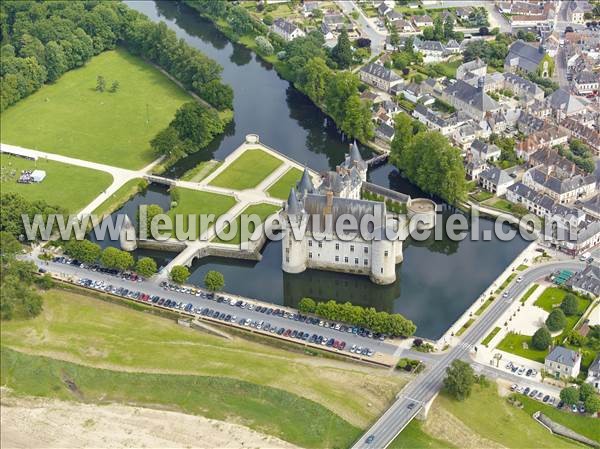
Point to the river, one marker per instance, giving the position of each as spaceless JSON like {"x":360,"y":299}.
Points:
{"x":437,"y":280}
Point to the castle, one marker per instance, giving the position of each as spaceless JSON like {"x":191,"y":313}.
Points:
{"x":339,"y":193}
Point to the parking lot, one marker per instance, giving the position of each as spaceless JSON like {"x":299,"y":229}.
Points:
{"x":274,"y":320}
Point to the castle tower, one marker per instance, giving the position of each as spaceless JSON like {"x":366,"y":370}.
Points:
{"x":127,"y":238}
{"x":354,"y":159}
{"x":293,"y":257}
{"x":305,"y":185}
{"x":383,"y":261}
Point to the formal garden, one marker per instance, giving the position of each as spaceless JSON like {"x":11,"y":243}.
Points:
{"x":247,"y":171}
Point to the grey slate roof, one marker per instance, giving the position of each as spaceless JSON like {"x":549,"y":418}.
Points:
{"x":587,"y":77}
{"x":380,"y":71}
{"x":564,"y":101}
{"x":305,"y":185}
{"x":293,"y":205}
{"x":484,"y":148}
{"x":472,"y":95}
{"x":541,"y":200}
{"x":523,"y":84}
{"x":560,"y":185}
{"x":496,"y":176}
{"x":524,"y":56}
{"x":317,"y":205}
{"x":386,"y":130}
{"x":563,"y":356}
{"x":284,"y":25}
{"x":428,"y":45}
{"x":588,"y":280}
{"x":593,"y":204}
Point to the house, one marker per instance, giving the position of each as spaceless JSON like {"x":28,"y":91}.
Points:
{"x":393,"y":16}
{"x":287,"y":29}
{"x":576,"y":11}
{"x":334,"y":21}
{"x":383,"y":9}
{"x":562,"y":363}
{"x":548,"y":136}
{"x":434,"y":121}
{"x":463,"y":12}
{"x":433,"y":51}
{"x":586,"y":82}
{"x":564,"y":104}
{"x":326,"y":31}
{"x":562,"y":189}
{"x":413,"y":92}
{"x":523,"y":57}
{"x":422,"y":21}
{"x":476,"y":67}
{"x":470,"y":99}
{"x":309,"y":7}
{"x":586,"y":281}
{"x":495,"y":180}
{"x":378,"y":76}
{"x":385,"y":132}
{"x":452,"y":47}
{"x":474,"y":167}
{"x":593,"y":377}
{"x":592,"y":207}
{"x":403,"y":26}
{"x":524,"y":89}
{"x":536,"y":17}
{"x":485,"y":151}
{"x":589,"y":136}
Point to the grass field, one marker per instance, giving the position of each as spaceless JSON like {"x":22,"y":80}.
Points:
{"x":200,"y":171}
{"x":263,"y":210}
{"x":553,"y":296}
{"x":126,"y":191}
{"x":65,"y":185}
{"x":510,"y":426}
{"x":528,"y":293}
{"x":413,"y":437}
{"x":265,"y":409}
{"x":88,"y":331}
{"x":71,"y":118}
{"x":196,"y":202}
{"x":513,"y":343}
{"x":247,"y":171}
{"x":491,"y":335}
{"x":281,"y":188}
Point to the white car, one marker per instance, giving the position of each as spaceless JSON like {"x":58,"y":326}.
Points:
{"x":520,"y":279}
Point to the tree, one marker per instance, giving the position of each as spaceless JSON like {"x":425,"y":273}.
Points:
{"x":569,"y":304}
{"x":152,"y":210}
{"x":196,"y":125}
{"x":166,"y":142}
{"x":100,"y":83}
{"x":585,"y":391}
{"x":214,"y":281}
{"x":9,"y":246}
{"x":459,"y":380}
{"x":83,"y":250}
{"x":342,"y":52}
{"x":569,"y":395}
{"x":146,"y":267}
{"x":541,"y":339}
{"x":116,"y":259}
{"x":449,"y":27}
{"x":438,"y":28}
{"x":307,"y":305}
{"x":592,"y":403}
{"x":263,"y":45}
{"x":556,"y":320}
{"x":179,"y":274}
{"x":56,"y":61}
{"x":403,"y":135}
{"x":394,"y":38}
{"x":114,"y":86}
{"x":313,"y":78}
{"x":357,"y":119}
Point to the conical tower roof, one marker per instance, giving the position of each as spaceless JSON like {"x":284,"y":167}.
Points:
{"x":293,"y":205}
{"x":355,"y":157}
{"x":305,"y":184}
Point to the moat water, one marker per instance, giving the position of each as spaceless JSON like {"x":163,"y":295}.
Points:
{"x":436,"y":282}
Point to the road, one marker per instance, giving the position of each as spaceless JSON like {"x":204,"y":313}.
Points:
{"x":427,"y":384}
{"x":368,"y":28}
{"x":152,"y":288}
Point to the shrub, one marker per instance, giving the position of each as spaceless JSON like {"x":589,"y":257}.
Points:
{"x":569,"y":395}
{"x":569,"y":304}
{"x":556,"y":320}
{"x":179,"y":274}
{"x":214,"y":281}
{"x":541,"y":339}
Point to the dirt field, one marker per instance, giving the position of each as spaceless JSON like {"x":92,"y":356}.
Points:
{"x":42,"y":423}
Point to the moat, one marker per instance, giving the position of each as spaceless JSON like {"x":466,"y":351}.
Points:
{"x":437,"y":280}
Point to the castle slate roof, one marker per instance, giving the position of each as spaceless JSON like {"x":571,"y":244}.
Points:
{"x":563,"y":356}
{"x":356,"y":157}
{"x":379,"y":71}
{"x":293,"y":205}
{"x":316,"y":205}
{"x":525,"y":56}
{"x":305,"y":185}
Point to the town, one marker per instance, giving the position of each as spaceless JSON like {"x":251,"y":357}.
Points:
{"x":424,"y":114}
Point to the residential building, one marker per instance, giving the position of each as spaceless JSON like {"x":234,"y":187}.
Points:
{"x":524,"y":89}
{"x":469,"y":99}
{"x":422,"y":21}
{"x":524,"y":57}
{"x":593,"y":376}
{"x":378,"y":76}
{"x":586,"y":82}
{"x":385,"y":132}
{"x":562,"y":189}
{"x":485,"y":151}
{"x":286,"y":29}
{"x":587,"y":134}
{"x":563,"y":363}
{"x":564,"y":104}
{"x":403,"y":26}
{"x":586,"y":281}
{"x":592,"y":207}
{"x":434,"y":121}
{"x":496,"y":180}
{"x":476,"y":67}
{"x":452,"y":47}
{"x":433,"y":51}
{"x":334,"y":21}
{"x":308,"y":7}
{"x":548,"y":136}
{"x":576,"y":11}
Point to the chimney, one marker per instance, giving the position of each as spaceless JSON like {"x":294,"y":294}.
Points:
{"x":329,"y":202}
{"x":481,"y":83}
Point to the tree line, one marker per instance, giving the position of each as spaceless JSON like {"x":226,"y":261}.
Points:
{"x":428,"y":160}
{"x":305,"y":61}
{"x":392,"y":324}
{"x":43,"y":40}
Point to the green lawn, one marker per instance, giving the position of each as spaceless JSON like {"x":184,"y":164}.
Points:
{"x":91,"y":332}
{"x":71,"y":118}
{"x":117,"y":199}
{"x":510,"y":426}
{"x":485,"y":305}
{"x":201,"y":171}
{"x":281,"y":188}
{"x":513,"y":343}
{"x":196,"y":202}
{"x":491,"y":335}
{"x":265,"y":409}
{"x":413,"y":437}
{"x":65,"y":185}
{"x":528,"y":293}
{"x":465,"y":326}
{"x":247,"y":171}
{"x":553,"y":296}
{"x":263,"y":210}
{"x":522,"y":267}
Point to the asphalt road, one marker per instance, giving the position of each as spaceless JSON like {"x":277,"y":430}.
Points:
{"x":428,"y":383}
{"x":152,"y":289}
{"x":377,"y":37}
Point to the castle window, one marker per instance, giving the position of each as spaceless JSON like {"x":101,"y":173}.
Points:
{"x":337,"y":246}
{"x":352,"y":248}
{"x":346,"y":259}
{"x":366,"y":250}
{"x":337,"y":258}
{"x":287,"y":259}
{"x":320,"y":244}
{"x":381,"y":270}
{"x":310,"y":255}
{"x":287,"y":250}
{"x":310,"y":243}
{"x":386,"y":253}
{"x":356,"y":261}
{"x":366,"y":262}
